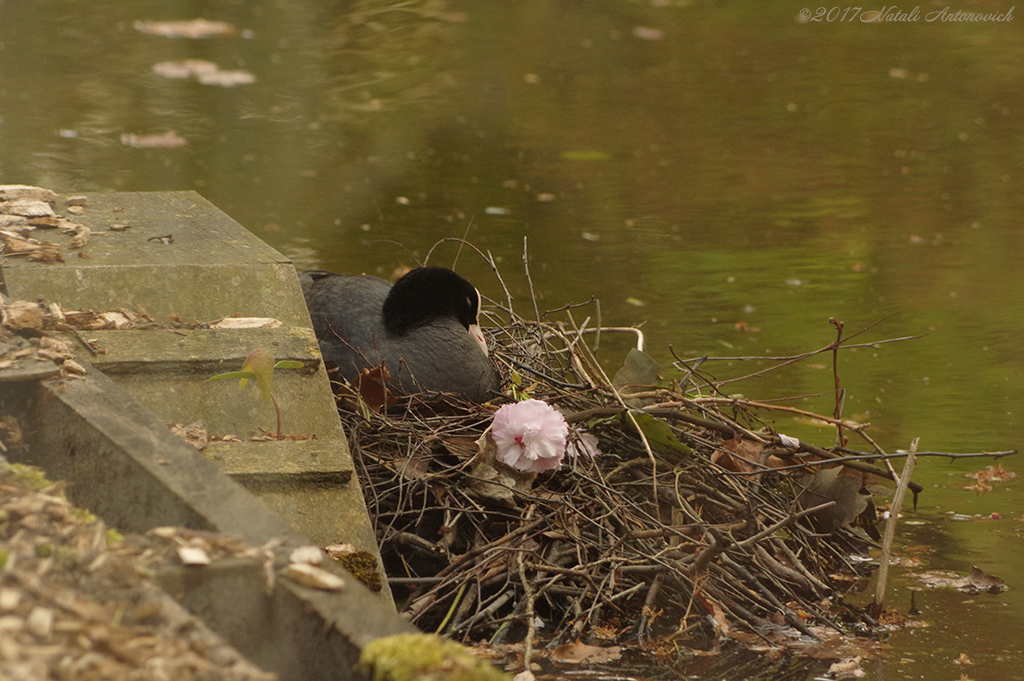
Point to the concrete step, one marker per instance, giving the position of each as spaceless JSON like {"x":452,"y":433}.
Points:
{"x":104,"y":434}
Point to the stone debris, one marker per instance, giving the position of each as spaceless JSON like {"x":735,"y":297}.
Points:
{"x":75,"y":602}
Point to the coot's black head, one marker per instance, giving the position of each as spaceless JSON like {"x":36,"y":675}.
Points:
{"x":426,"y":294}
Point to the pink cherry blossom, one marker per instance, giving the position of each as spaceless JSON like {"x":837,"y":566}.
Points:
{"x":530,"y":436}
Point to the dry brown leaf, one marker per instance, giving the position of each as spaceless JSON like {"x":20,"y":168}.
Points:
{"x":828,"y":485}
{"x":984,"y":582}
{"x":24,"y":192}
{"x":994,"y":473}
{"x":579,"y":653}
{"x":372,"y":387}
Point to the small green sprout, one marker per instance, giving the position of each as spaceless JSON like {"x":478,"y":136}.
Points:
{"x":259,"y":366}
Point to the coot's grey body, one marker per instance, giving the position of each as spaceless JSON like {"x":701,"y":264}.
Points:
{"x":423,"y":329}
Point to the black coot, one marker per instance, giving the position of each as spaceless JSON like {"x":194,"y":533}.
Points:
{"x":423,"y":329}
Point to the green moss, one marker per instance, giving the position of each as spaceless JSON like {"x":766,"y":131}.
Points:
{"x":43,"y":550}
{"x":26,"y":476}
{"x":363,"y":566}
{"x":424,"y":657}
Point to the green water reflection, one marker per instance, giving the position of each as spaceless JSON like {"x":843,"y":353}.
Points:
{"x":723,"y":164}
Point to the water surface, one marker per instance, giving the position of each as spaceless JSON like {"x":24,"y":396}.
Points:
{"x":725,"y":174}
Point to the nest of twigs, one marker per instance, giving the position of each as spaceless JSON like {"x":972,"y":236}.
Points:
{"x":695,"y":519}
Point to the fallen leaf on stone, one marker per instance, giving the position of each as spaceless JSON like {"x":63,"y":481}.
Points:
{"x":313,"y":577}
{"x":194,"y":433}
{"x":22,"y":315}
{"x":579,"y":653}
{"x":246,"y":323}
{"x":27,"y":209}
{"x":25,"y":192}
{"x":308,"y":555}
{"x":17,"y":246}
{"x":193,"y":555}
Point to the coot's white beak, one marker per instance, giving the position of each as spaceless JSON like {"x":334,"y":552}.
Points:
{"x":478,"y":335}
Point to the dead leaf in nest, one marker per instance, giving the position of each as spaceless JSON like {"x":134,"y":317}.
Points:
{"x":740,"y":456}
{"x":413,"y":467}
{"x":372,"y":387}
{"x":462,"y":447}
{"x":579,"y":653}
{"x":827,"y":484}
{"x":718,"y":616}
{"x":638,"y":372}
{"x":167,"y":140}
{"x":195,"y":28}
{"x":493,"y":480}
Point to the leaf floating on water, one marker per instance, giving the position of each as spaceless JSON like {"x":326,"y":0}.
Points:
{"x":167,"y":140}
{"x":195,"y":29}
{"x":979,"y":581}
{"x":206,"y":72}
{"x":184,"y":68}
{"x":585,"y":155}
{"x":994,"y":473}
{"x":226,"y":78}
{"x":647,"y":33}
